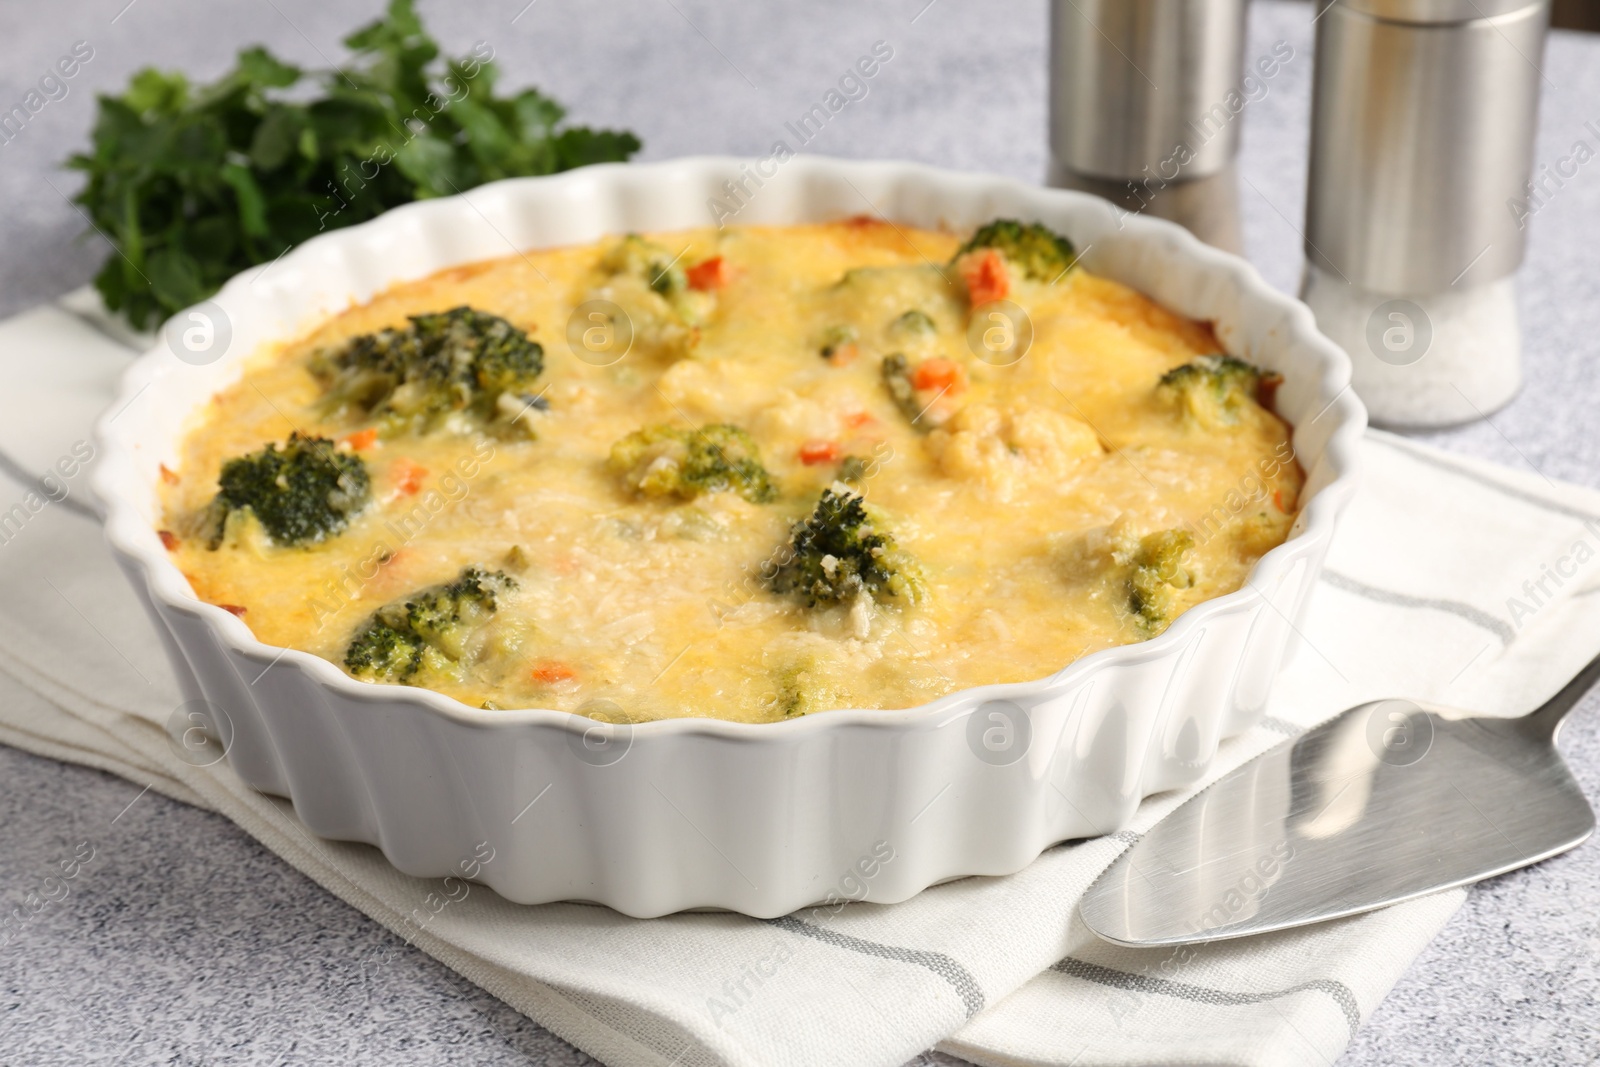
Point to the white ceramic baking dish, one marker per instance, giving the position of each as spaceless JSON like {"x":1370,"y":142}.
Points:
{"x":686,"y":813}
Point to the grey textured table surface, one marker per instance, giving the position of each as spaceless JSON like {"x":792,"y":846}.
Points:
{"x":190,"y":943}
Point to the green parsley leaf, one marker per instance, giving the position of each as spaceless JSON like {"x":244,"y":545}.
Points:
{"x":193,"y":184}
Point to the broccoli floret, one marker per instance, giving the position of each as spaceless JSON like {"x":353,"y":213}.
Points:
{"x":890,"y":308}
{"x":921,"y":407}
{"x":1032,"y":248}
{"x":643,"y":259}
{"x":896,"y":374}
{"x":650,"y":288}
{"x":445,"y":616}
{"x":1214,"y":389}
{"x":841,"y":550}
{"x":303,"y":493}
{"x":667,"y":461}
{"x":1158,"y":572}
{"x":428,"y":632}
{"x":464,"y":368}
{"x":1140,"y":576}
{"x":915,"y":334}
{"x":913,"y":324}
{"x":853,"y":469}
{"x":385,"y":653}
{"x":802,"y":687}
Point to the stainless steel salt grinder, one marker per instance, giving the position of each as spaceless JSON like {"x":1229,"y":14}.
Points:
{"x":1423,"y":120}
{"x":1145,"y":102}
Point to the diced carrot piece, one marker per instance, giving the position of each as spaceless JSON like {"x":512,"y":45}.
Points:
{"x":1284,"y":500}
{"x":168,"y":476}
{"x":408,"y":475}
{"x":709,"y":274}
{"x":814,"y":452}
{"x":857,"y":419}
{"x":943,"y":375}
{"x":232,"y":609}
{"x":361,"y":439}
{"x":985,"y":274}
{"x":862,"y":222}
{"x":169,"y":540}
{"x":551,"y":672}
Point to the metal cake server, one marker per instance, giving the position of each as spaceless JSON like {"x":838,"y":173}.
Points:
{"x":1386,"y":802}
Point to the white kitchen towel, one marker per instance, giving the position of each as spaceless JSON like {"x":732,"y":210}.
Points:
{"x":1450,"y":580}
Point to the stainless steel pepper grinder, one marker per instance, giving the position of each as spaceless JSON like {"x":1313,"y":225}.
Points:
{"x":1423,"y":120}
{"x":1145,"y":102}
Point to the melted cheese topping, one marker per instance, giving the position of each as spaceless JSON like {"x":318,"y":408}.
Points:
{"x":1021,"y":490}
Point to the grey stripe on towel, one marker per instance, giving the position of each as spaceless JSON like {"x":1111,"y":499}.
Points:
{"x":1139,"y":983}
{"x":959,"y":977}
{"x":667,"y":1040}
{"x":1478,"y":617}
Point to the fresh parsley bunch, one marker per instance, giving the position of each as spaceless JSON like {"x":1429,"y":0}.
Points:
{"x":193,"y":184}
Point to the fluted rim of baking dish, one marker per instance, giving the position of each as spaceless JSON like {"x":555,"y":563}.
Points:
{"x":118,"y":485}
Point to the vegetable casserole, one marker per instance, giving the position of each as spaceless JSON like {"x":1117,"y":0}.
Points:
{"x":749,"y":473}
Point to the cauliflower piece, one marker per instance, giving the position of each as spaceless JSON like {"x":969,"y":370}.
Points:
{"x":1004,"y":449}
{"x":706,"y":391}
{"x":1217,"y":391}
{"x":791,"y":417}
